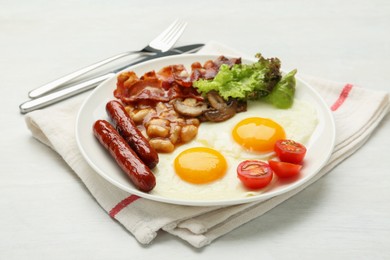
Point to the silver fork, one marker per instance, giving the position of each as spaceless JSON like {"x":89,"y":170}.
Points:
{"x":161,"y":43}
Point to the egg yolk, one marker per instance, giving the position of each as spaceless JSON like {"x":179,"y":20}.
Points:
{"x":200,"y":165}
{"x":258,"y":134}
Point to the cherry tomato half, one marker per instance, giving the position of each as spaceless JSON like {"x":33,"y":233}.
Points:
{"x":254,"y":174}
{"x":290,"y":151}
{"x":285,"y":169}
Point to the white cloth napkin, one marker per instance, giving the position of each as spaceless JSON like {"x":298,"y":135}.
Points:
{"x":357,"y":111}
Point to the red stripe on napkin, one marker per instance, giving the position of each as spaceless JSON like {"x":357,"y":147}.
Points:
{"x":123,"y":204}
{"x":343,"y":96}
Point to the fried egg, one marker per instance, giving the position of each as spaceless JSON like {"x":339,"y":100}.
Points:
{"x":205,"y":168}
{"x":258,"y":134}
{"x":210,"y":165}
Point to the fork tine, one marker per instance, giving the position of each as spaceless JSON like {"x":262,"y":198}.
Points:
{"x":169,"y":36}
{"x":175,"y":33}
{"x":173,"y":30}
{"x":166,"y":31}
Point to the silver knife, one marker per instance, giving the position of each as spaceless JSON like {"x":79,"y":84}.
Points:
{"x":73,"y":90}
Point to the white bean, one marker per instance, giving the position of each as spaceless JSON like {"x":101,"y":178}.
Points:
{"x":162,"y":145}
{"x":157,"y":131}
{"x":188,"y":132}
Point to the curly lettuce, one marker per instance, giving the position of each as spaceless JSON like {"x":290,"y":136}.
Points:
{"x":243,"y":81}
{"x":259,"y":80}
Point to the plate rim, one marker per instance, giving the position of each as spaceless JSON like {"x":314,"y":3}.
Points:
{"x":175,"y":201}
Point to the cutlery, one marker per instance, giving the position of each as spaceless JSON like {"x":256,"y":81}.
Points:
{"x":162,"y":43}
{"x":73,"y":90}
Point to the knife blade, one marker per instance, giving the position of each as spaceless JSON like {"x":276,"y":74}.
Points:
{"x":73,"y":90}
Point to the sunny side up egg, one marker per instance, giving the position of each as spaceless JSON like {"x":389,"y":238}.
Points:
{"x":258,"y":134}
{"x":205,"y":169}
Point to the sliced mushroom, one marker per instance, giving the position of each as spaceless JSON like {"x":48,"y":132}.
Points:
{"x":215,"y":100}
{"x":222,"y":114}
{"x":189,"y":107}
{"x":220,"y":109}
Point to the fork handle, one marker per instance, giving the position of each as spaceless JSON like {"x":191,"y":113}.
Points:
{"x":57,"y":96}
{"x":40,"y":91}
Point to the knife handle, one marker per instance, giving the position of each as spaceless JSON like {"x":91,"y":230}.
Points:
{"x":57,"y":96}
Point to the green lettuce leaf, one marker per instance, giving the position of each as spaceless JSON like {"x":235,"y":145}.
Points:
{"x":243,"y":81}
{"x":282,"y":96}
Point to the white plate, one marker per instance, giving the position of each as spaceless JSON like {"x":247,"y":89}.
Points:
{"x":319,"y":147}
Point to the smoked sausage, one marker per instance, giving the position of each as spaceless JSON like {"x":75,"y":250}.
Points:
{"x":141,"y":176}
{"x":129,"y":131}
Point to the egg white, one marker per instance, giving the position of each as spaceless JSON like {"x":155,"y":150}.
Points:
{"x":299,"y":122}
